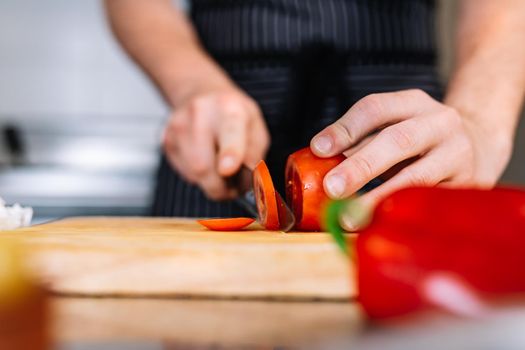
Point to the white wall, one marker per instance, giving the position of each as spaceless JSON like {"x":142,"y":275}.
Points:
{"x":89,"y":119}
{"x":57,"y":57}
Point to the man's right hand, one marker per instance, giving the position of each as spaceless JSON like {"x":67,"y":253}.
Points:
{"x":215,"y":127}
{"x":211,"y":134}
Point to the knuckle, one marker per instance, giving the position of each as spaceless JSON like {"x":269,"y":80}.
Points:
{"x":416,"y":97}
{"x":364,"y":166}
{"x":198,"y":167}
{"x":417,"y":177}
{"x":418,"y":94}
{"x":344,"y":133}
{"x":343,"y":130}
{"x":229,"y":103}
{"x":177,"y":124}
{"x":371,"y":105}
{"x":402,"y":137}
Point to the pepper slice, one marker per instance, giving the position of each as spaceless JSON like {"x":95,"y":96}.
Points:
{"x":266,"y":196}
{"x":226,"y":224}
{"x":304,"y":187}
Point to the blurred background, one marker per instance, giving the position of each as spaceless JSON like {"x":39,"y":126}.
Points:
{"x":80,"y":125}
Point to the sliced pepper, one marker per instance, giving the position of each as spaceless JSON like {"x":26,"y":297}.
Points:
{"x":267,"y":204}
{"x":226,"y":224}
{"x":304,"y":187}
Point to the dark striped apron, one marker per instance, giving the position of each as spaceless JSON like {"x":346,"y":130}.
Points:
{"x":305,"y":62}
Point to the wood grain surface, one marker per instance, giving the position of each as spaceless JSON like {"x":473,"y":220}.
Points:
{"x":112,"y":256}
{"x":201,"y":324}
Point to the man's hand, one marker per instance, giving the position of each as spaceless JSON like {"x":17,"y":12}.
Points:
{"x":215,"y":126}
{"x":211,"y":134}
{"x":434,"y":143}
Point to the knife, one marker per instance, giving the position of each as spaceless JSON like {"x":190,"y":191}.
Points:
{"x":242,"y":181}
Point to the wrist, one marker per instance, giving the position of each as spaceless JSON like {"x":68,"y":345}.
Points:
{"x":493,"y":145}
{"x":196,"y":86}
{"x":491,"y":128}
{"x":194,"y":74}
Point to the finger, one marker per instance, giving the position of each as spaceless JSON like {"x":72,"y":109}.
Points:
{"x":354,"y":149}
{"x":258,"y":140}
{"x":390,"y":147}
{"x":198,"y":149}
{"x":208,"y":177}
{"x":232,"y":141}
{"x":201,"y":153}
{"x":367,"y":115}
{"x":427,"y":171}
{"x":177,"y":132}
{"x":215,"y":187}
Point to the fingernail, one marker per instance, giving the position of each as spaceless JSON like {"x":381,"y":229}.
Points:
{"x":323,"y":144}
{"x":335,"y":185}
{"x":227,"y":162}
{"x":356,"y":216}
{"x":347,"y":221}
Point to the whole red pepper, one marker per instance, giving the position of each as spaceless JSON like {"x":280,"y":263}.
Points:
{"x":478,"y":236}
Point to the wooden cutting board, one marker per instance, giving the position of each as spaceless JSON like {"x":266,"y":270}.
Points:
{"x":111,"y":256}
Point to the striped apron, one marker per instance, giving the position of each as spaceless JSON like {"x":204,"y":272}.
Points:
{"x":305,"y":62}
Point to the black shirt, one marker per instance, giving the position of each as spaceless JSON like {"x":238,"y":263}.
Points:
{"x":306,"y":62}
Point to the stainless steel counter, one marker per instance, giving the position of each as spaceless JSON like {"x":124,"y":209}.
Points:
{"x":81,"y":166}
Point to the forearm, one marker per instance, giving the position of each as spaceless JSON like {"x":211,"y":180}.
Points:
{"x":159,"y":38}
{"x":488,"y":85}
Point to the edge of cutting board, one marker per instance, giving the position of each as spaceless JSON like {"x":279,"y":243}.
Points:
{"x":174,"y":257}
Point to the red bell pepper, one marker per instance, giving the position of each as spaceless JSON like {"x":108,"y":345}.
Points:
{"x":418,"y":234}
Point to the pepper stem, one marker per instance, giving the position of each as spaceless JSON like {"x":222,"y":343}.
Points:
{"x":335,"y":210}
{"x":333,"y":226}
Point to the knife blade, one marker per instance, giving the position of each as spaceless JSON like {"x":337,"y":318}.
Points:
{"x":242,"y":181}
